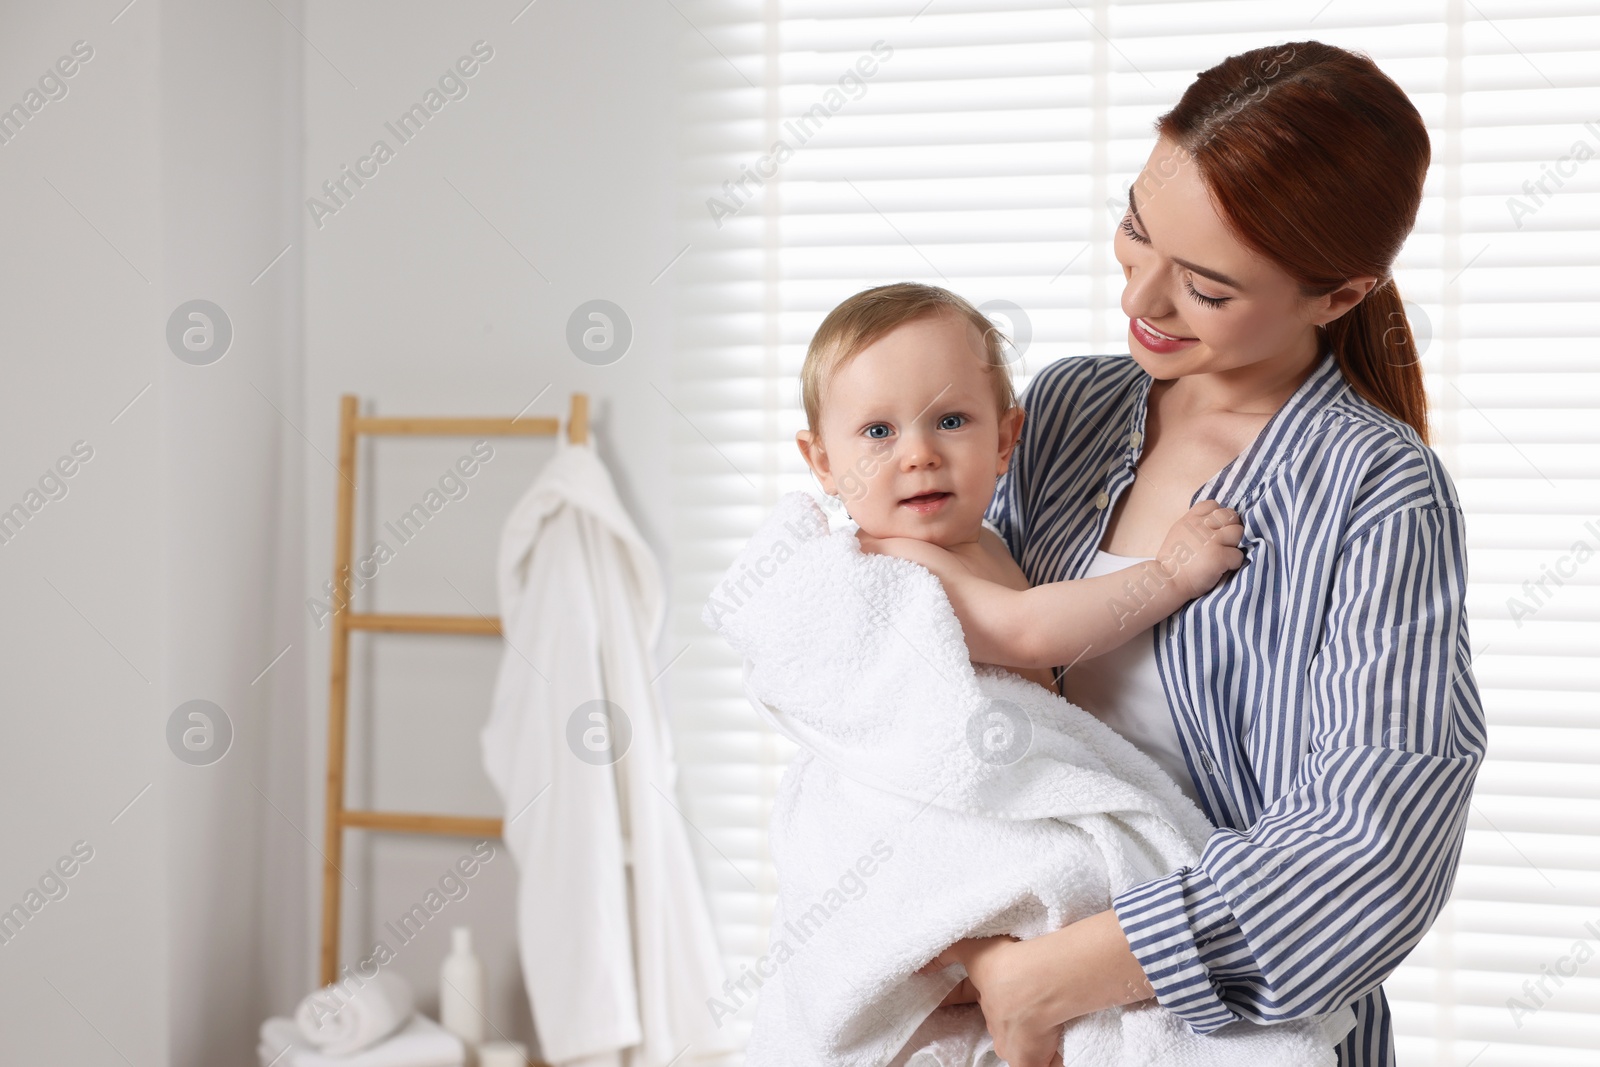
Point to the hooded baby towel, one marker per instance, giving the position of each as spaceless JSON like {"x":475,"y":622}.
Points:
{"x":933,"y":801}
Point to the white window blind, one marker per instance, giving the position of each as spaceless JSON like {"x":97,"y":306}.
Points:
{"x":989,"y":150}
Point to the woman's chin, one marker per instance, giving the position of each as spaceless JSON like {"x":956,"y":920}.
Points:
{"x":1165,"y":367}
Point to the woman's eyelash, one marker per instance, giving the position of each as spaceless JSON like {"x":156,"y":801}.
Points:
{"x":1208,"y":301}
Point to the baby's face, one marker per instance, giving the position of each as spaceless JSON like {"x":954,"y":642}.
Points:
{"x":909,"y":438}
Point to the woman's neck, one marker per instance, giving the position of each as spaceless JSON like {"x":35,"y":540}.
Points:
{"x":1258,"y":388}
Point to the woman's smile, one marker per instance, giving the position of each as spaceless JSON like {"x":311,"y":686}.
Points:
{"x":1156,"y":341}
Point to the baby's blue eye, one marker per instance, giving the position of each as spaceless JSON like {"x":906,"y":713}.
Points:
{"x":960,"y":421}
{"x":876,"y":426}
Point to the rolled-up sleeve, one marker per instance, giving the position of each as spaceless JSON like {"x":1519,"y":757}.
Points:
{"x":1315,"y":904}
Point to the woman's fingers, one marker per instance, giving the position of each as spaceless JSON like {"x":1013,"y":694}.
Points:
{"x":960,"y":952}
{"x":941,"y":961}
{"x":963,"y":993}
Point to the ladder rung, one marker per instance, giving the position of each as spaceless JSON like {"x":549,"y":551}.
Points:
{"x":336,"y":819}
{"x":463,"y":426}
{"x":402,"y":822}
{"x":423,"y":624}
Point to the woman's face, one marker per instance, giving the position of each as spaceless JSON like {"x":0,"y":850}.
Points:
{"x":1198,"y":300}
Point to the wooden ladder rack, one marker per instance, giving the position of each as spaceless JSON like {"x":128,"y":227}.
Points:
{"x":337,"y":817}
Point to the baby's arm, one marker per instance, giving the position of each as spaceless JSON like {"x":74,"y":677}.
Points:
{"x":1062,"y":622}
{"x":993,"y":562}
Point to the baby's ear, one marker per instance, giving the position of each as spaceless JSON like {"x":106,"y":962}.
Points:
{"x":1010,"y":433}
{"x":816,"y":457}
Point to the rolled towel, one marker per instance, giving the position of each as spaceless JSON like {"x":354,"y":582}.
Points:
{"x":422,"y":1043}
{"x":339,"y":1021}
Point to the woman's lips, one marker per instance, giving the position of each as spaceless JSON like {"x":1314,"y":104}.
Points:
{"x":925,"y":504}
{"x":1156,"y":341}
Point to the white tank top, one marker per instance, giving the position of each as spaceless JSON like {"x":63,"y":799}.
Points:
{"x":1123,"y":690}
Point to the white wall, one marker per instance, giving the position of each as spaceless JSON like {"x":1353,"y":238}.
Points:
{"x":424,"y":295}
{"x":167,"y":172}
{"x":81,"y":663}
{"x":179,"y":562}
{"x":232,"y":518}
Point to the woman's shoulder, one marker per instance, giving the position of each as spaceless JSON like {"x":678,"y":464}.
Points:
{"x":1386,"y":465}
{"x":1083,"y":383}
{"x":1082,"y":371}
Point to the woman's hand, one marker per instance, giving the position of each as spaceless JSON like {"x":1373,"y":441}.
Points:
{"x":1029,"y":990}
{"x":1010,"y":980}
{"x":963,"y":993}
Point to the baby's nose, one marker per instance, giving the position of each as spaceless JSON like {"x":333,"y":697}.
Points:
{"x":918,"y":451}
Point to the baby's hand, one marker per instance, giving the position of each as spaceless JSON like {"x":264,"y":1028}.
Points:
{"x":941,"y":561}
{"x":1201,"y":547}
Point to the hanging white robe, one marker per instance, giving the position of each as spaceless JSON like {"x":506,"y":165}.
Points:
{"x":617,"y":978}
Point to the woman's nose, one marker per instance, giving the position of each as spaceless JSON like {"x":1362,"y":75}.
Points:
{"x":1144,"y":294}
{"x":1138,"y":298}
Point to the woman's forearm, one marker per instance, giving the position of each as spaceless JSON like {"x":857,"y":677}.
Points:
{"x":1092,"y":967}
{"x":1106,"y":973}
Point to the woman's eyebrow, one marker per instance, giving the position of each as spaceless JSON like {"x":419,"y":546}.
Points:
{"x":1204,"y":272}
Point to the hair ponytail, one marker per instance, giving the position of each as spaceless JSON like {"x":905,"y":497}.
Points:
{"x":1316,"y":159}
{"x":1377,"y":352}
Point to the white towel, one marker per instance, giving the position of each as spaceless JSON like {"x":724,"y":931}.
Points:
{"x":931,"y":802}
{"x":340,"y":1023}
{"x":422,"y":1043}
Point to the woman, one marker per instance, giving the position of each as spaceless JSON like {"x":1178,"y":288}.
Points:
{"x":1319,"y":701}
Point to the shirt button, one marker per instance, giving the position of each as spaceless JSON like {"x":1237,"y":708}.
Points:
{"x":1101,"y":501}
{"x":1135,"y":439}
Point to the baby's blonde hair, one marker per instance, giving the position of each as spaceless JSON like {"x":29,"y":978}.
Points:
{"x":872,"y":313}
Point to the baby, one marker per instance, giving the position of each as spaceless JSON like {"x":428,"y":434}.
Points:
{"x":977,"y":804}
{"x":912,"y":419}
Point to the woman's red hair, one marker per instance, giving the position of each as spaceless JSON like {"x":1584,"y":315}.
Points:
{"x":1316,"y":159}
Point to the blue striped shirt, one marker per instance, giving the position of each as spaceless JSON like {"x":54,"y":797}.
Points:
{"x":1322,"y":694}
